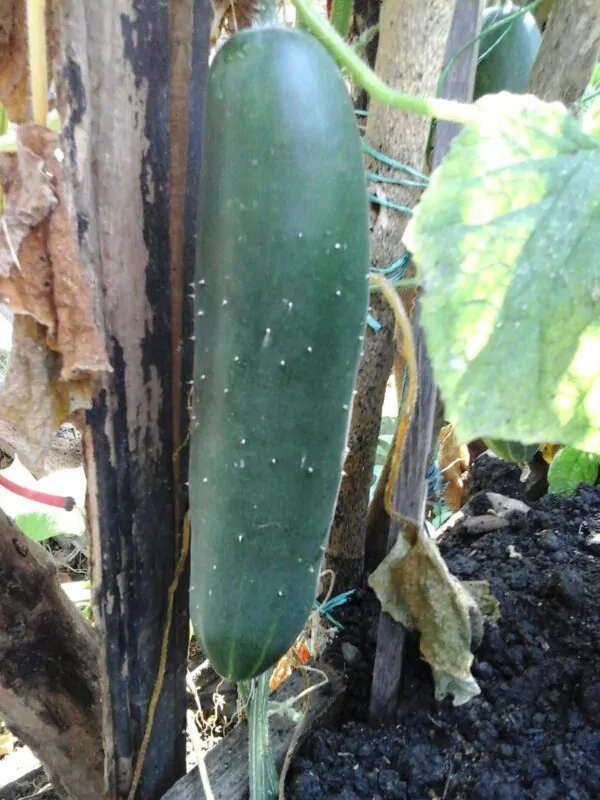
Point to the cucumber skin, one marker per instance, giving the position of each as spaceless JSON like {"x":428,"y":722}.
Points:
{"x":514,"y":452}
{"x":508,"y":66}
{"x":283,"y":237}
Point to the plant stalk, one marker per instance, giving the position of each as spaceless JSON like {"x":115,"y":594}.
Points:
{"x":262,"y":772}
{"x":450,"y":110}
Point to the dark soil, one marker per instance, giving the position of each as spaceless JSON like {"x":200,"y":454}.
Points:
{"x":534,"y":732}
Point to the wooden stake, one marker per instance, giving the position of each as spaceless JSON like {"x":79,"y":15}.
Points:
{"x":410,"y":492}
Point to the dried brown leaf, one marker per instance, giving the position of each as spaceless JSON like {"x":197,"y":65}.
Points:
{"x":32,"y":399}
{"x":29,"y":193}
{"x":14,"y":71}
{"x":57,"y":348}
{"x":231,"y":16}
{"x":50,"y":286}
{"x":15,"y":92}
{"x":29,"y":291}
{"x":414,"y":585}
{"x":453,"y":459}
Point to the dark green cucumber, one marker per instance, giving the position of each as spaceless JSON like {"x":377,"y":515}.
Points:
{"x":515,"y":452}
{"x":281,"y":292}
{"x":508,"y":65}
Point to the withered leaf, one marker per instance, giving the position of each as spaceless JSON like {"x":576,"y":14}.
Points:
{"x":29,"y":194}
{"x":57,"y":348}
{"x":415,"y":586}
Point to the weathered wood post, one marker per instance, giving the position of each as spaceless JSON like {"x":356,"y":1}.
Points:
{"x":119,"y":95}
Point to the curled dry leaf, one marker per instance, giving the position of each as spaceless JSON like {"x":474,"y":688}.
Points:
{"x":33,"y":400}
{"x":454,"y":461}
{"x":28,"y":199}
{"x":230,"y":16}
{"x":14,"y":72}
{"x":15,"y":93}
{"x":414,"y":585}
{"x":57,"y":350}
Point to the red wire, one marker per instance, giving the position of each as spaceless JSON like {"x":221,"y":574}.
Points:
{"x":68,"y":503}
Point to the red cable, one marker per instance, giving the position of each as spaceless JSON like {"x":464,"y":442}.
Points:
{"x":67,"y":503}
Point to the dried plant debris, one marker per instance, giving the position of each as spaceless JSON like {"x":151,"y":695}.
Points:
{"x":57,"y":350}
{"x":454,"y":461}
{"x":29,"y":198}
{"x":414,"y":586}
{"x":14,"y":70}
{"x":230,"y":16}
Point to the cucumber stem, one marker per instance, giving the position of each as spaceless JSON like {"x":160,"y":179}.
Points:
{"x":433,"y":107}
{"x":262,"y":771}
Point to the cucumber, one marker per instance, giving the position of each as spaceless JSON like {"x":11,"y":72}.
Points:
{"x":281,"y":295}
{"x":508,"y":65}
{"x":514,"y":452}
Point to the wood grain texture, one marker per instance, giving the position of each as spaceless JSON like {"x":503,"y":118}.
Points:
{"x":49,"y":683}
{"x":568,"y":53}
{"x":458,"y":85}
{"x":114,"y":89}
{"x":227,"y":763}
{"x":410,"y":494}
{"x":460,"y":80}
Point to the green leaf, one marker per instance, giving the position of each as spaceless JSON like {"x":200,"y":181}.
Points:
{"x":381,"y":454}
{"x":388,"y":426}
{"x":341,"y":16}
{"x":569,"y":468}
{"x":591,"y":119}
{"x":377,"y":470}
{"x":506,"y":240}
{"x":38,"y":526}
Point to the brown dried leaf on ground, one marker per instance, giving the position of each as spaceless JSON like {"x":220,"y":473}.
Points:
{"x":414,"y":585}
{"x":57,"y":348}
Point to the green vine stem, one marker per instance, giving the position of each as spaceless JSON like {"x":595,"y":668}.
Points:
{"x":262,"y":771}
{"x":450,"y":110}
{"x":341,"y":16}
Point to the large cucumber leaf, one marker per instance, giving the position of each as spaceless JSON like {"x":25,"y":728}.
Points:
{"x":569,"y":468}
{"x":38,"y":526}
{"x":507,"y":243}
